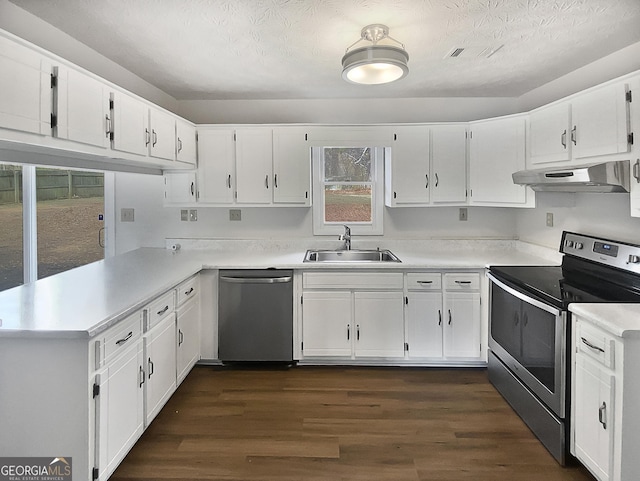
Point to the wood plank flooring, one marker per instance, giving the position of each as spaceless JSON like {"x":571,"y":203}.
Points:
{"x":339,"y":424}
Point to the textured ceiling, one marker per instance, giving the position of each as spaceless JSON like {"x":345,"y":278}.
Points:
{"x":269,"y":49}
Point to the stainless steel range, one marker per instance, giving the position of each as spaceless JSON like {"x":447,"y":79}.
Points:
{"x":530,"y":324}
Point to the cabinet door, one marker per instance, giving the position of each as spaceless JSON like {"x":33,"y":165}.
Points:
{"x":25,"y":89}
{"x":180,"y":187}
{"x":496,"y":151}
{"x":291,"y":167}
{"x":216,"y":160}
{"x":600,"y":125}
{"x":163,"y":135}
{"x":82,"y":108}
{"x":449,"y":163}
{"x":462,"y":325}
{"x":254,"y":154}
{"x":327,"y":328}
{"x":409,"y":166}
{"x":160,"y":359}
{"x":424,"y":324}
{"x":130,"y":124}
{"x":188,"y":337}
{"x":379,"y":324}
{"x":119,"y":409}
{"x":593,"y":414}
{"x":185,"y":142}
{"x":549,"y":134}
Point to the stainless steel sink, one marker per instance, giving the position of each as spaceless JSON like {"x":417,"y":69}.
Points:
{"x":354,"y":255}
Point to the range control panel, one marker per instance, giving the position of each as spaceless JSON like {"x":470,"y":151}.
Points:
{"x":603,"y":251}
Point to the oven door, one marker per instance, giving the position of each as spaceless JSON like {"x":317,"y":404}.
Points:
{"x":529,"y":337}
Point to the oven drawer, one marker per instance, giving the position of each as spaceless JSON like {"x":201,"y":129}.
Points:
{"x":594,"y":343}
{"x":431,"y":281}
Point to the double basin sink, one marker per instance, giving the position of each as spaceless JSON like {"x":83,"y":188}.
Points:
{"x":354,"y":255}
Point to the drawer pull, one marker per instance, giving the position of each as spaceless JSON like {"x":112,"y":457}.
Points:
{"x":602,"y":415}
{"x":162,"y":311}
{"x":124,"y":339}
{"x":463,"y":282}
{"x":186,"y":293}
{"x":588,"y":344}
{"x":425,"y":282}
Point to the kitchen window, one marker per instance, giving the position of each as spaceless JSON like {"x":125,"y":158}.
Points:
{"x":347,"y":189}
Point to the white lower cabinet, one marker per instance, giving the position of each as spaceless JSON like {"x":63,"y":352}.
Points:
{"x":605,"y":393}
{"x":188,"y":327}
{"x":160,"y":359}
{"x":379,"y":324}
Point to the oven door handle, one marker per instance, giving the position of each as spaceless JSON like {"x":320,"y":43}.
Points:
{"x":522,"y":296}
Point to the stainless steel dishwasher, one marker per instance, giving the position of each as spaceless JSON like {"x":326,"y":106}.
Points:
{"x":255,"y":315}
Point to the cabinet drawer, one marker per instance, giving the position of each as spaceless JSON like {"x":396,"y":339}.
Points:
{"x":119,"y":337}
{"x":424,"y":281}
{"x":353,"y":280}
{"x":462,"y":282}
{"x":594,"y":343}
{"x":160,"y":308}
{"x":187,"y":290}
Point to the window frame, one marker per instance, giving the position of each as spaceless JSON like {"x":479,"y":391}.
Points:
{"x":376,"y":227}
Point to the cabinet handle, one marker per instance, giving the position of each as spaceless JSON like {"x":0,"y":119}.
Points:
{"x":592,"y":346}
{"x":437,"y":180}
{"x":266,"y":181}
{"x":180,"y":337}
{"x":463,"y":282}
{"x":636,"y":171}
{"x":449,"y":316}
{"x":186,"y":293}
{"x":162,"y":311}
{"x":150,"y":364}
{"x":439,"y":317}
{"x":229,"y":181}
{"x":357,"y":332}
{"x":179,"y":145}
{"x":193,"y":185}
{"x":141,"y":376}
{"x":108,"y":125}
{"x":124,"y":339}
{"x":155,"y":138}
{"x":275,"y":181}
{"x":602,"y":415}
{"x":348,"y":332}
{"x":573,"y":135}
{"x":425,"y":282}
{"x":147,"y":136}
{"x":563,"y":138}
{"x":426,"y":176}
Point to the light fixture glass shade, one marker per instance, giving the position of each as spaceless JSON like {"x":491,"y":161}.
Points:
{"x":375,"y":64}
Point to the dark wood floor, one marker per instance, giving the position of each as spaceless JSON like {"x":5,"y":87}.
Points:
{"x":321,"y":424}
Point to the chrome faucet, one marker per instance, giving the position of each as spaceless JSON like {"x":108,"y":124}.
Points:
{"x":346,"y":237}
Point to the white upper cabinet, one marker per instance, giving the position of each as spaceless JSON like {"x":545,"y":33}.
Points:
{"x":25,"y":89}
{"x":81,"y":108}
{"x":130,"y":124}
{"x":162,"y":128}
{"x":291,"y":166}
{"x":186,"y":144}
{"x":254,"y":154}
{"x":600,"y":122}
{"x":496,"y":151}
{"x":449,"y":164}
{"x":216,"y":166}
{"x":407,"y":167}
{"x":180,"y":187}
{"x":550,"y":134}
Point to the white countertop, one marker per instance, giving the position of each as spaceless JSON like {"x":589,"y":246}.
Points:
{"x":621,"y":320}
{"x":85,"y":301}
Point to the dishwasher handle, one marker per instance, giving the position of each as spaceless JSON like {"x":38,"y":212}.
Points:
{"x":256,"y":280}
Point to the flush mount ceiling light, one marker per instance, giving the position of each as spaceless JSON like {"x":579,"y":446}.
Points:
{"x":375,"y":64}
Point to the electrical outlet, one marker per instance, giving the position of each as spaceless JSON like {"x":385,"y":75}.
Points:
{"x":235,"y":214}
{"x":193,"y":215}
{"x":463,"y":213}
{"x":184,"y":215}
{"x":127,"y":215}
{"x":549,"y":219}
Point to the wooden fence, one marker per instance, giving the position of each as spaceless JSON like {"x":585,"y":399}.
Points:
{"x":52,"y":184}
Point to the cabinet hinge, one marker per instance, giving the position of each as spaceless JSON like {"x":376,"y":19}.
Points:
{"x":630,"y":138}
{"x":54,"y":120}
{"x":628,"y":97}
{"x":95,"y":473}
{"x":406,"y":346}
{"x":96,"y":390}
{"x":406,"y":300}
{"x":54,"y":80}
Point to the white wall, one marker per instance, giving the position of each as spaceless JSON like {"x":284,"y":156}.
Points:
{"x":605,"y":215}
{"x":153,"y":222}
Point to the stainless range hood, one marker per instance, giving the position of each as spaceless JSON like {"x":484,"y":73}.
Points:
{"x":604,"y":177}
